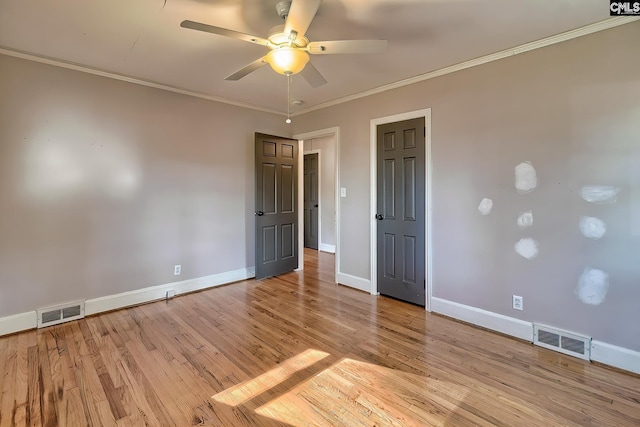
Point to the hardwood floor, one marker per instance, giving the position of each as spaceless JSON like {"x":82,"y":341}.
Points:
{"x":297,"y":350}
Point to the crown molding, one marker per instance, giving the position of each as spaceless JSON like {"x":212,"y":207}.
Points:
{"x":547,"y":41}
{"x":568,"y":35}
{"x":111,"y":75}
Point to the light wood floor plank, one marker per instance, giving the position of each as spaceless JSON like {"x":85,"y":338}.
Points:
{"x":8,"y":382}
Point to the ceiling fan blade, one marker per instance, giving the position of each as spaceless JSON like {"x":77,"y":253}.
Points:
{"x":223,"y":32}
{"x":247,"y":69}
{"x":301,"y":14}
{"x":347,"y":46}
{"x":312,"y":76}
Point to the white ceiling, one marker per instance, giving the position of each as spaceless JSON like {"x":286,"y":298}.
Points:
{"x":143,"y":39}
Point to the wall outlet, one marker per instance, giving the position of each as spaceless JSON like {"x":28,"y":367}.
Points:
{"x":171,"y":293}
{"x":518,"y":303}
{"x":177,"y":270}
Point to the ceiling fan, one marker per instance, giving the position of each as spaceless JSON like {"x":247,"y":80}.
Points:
{"x":289,"y":49}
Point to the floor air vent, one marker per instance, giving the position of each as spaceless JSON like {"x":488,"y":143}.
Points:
{"x":562,"y":341}
{"x":60,"y":313}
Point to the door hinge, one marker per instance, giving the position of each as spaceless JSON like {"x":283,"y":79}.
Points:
{"x":425,"y":131}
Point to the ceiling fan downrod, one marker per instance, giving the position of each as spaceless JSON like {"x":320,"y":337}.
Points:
{"x":283,"y":9}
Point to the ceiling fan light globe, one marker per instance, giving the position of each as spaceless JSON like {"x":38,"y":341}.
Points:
{"x":287,"y":60}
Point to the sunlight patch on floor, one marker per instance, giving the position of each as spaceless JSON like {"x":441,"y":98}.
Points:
{"x":247,"y":390}
{"x":353,"y":393}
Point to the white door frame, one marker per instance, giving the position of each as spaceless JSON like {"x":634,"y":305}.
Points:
{"x":335,"y":132}
{"x":373,"y":134}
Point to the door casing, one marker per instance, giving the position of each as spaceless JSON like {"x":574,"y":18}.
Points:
{"x":426,"y":113}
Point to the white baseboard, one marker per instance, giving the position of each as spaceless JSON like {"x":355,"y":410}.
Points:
{"x":327,"y":248}
{"x":607,"y":354}
{"x":354,"y":282}
{"x":139,"y":296}
{"x":18,"y":322}
{"x":29,"y":320}
{"x":618,"y":357}
{"x":487,"y":319}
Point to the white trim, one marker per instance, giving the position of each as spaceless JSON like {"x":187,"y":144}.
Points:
{"x":153,"y":293}
{"x":486,"y":319}
{"x":428,"y":208}
{"x":354,"y":282}
{"x":607,"y":354}
{"x":547,"y":41}
{"x":324,"y":247}
{"x":568,"y":35}
{"x":428,"y":211}
{"x":618,"y":357}
{"x":300,"y":206}
{"x":18,"y":322}
{"x":335,"y":132}
{"x":29,"y":320}
{"x":111,"y":75}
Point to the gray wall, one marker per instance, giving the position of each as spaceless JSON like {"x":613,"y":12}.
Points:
{"x":573,"y":111}
{"x":106,"y":185}
{"x":327,"y":147}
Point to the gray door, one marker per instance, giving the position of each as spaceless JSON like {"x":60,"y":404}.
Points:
{"x":401,"y":210}
{"x":311,"y":201}
{"x":276,"y":200}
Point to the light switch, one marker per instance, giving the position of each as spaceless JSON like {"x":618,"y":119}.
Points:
{"x":343,"y":192}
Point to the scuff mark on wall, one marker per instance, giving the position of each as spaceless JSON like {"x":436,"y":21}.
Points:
{"x":592,"y":228}
{"x":593,"y":286}
{"x":599,"y":194}
{"x":526,"y":178}
{"x":525,"y":220}
{"x":485,"y":206}
{"x":527,"y":248}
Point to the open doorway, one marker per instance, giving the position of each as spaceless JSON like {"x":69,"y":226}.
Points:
{"x":320,"y":193}
{"x":311,"y":200}
{"x":324,"y":143}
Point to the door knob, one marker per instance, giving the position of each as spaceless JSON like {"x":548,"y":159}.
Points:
{"x":259,"y":213}
{"x":315,"y":206}
{"x":379,"y":217}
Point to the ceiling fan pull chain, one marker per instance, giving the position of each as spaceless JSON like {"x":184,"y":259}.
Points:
{"x":288,"y":98}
